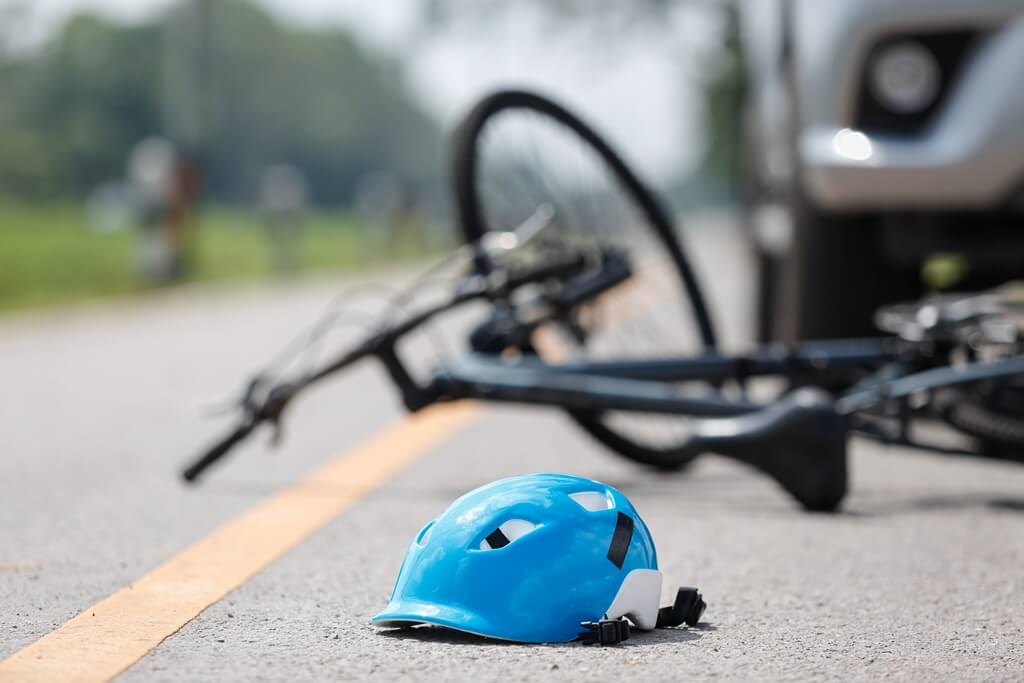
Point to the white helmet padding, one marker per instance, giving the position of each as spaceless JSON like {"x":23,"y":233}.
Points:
{"x":638,"y":599}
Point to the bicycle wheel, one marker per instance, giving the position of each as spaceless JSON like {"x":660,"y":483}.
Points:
{"x":516,"y":152}
{"x":993,"y":416}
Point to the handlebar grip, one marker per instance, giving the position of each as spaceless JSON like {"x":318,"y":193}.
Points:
{"x":218,"y":451}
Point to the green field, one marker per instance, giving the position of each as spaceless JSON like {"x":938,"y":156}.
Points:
{"x":49,"y":255}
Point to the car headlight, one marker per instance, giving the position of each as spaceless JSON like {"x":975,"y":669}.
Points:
{"x":904,"y":77}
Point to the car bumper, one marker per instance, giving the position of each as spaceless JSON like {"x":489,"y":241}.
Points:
{"x":970,"y":156}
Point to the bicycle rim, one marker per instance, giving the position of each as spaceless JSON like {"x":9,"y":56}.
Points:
{"x":516,"y":152}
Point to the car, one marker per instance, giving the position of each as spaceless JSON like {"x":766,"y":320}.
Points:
{"x":883,"y":154}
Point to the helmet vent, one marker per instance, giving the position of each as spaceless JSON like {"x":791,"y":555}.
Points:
{"x":592,"y":500}
{"x":509,"y":531}
{"x":425,"y":533}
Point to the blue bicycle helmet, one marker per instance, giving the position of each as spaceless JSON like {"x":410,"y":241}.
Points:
{"x":530,"y":559}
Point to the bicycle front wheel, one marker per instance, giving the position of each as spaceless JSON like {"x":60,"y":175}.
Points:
{"x":516,"y":152}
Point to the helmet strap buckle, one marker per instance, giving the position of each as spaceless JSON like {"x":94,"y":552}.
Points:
{"x":605,"y":631}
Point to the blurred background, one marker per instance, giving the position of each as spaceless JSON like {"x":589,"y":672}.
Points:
{"x":148,"y":144}
{"x":862,"y":155}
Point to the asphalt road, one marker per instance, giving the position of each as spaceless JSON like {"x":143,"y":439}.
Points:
{"x":919,"y":577}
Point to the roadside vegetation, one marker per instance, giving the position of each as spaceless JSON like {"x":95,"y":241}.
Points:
{"x":49,"y":255}
{"x":234,"y":92}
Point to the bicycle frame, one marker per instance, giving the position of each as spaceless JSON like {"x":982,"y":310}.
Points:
{"x":799,"y":439}
{"x":635,"y":385}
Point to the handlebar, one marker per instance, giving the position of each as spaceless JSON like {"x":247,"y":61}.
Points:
{"x":381,"y":345}
{"x":191,"y":473}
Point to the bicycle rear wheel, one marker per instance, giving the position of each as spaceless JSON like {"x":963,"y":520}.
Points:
{"x":992,"y":415}
{"x":516,"y":152}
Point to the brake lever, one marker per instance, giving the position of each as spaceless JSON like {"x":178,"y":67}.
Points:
{"x":255,"y":413}
{"x":495,"y":244}
{"x":273,"y":407}
{"x":244,"y":401}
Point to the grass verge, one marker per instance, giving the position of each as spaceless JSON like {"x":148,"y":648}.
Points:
{"x":50,"y":256}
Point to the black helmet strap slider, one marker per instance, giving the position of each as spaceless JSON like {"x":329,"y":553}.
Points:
{"x":605,"y":631}
{"x":688,"y":608}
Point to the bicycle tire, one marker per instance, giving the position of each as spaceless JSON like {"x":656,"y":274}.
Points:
{"x":474,"y":222}
{"x":1001,"y":435}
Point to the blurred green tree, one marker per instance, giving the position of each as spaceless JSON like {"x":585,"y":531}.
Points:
{"x":723,"y":91}
{"x":261,"y":92}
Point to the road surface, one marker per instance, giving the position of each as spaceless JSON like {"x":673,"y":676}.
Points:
{"x":920,"y":576}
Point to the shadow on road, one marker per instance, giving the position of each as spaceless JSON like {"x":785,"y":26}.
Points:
{"x":437,"y":634}
{"x":911,"y":503}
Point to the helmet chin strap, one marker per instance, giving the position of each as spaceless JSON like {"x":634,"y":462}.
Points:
{"x":688,"y":608}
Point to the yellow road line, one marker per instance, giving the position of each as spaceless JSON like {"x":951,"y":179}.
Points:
{"x":116,"y":632}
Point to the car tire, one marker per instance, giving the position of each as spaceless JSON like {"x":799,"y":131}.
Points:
{"x":767,"y":276}
{"x":832,"y":278}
